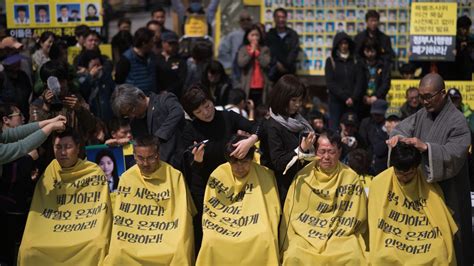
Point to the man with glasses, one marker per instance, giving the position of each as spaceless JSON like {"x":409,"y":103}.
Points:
{"x":158,"y":114}
{"x":440,"y":132}
{"x":325,"y":212}
{"x":153,"y":212}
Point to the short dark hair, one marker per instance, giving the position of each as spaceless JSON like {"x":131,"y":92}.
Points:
{"x":74,"y":11}
{"x":236,"y":96}
{"x":57,"y":49}
{"x":193,"y":98}
{"x":53,"y":68}
{"x":372,"y":44}
{"x":93,"y":32}
{"x":280,"y":9}
{"x":147,"y":141}
{"x":229,"y":148}
{"x":202,"y":51}
{"x":21,"y":8}
{"x":333,"y":137}
{"x":404,"y":157}
{"x":464,"y":22}
{"x":45,"y":8}
{"x":116,"y":123}
{"x":142,"y":36}
{"x":214,"y":67}
{"x":359,"y":161}
{"x":124,"y":21}
{"x":69,"y":132}
{"x":45,"y":36}
{"x":410,"y":89}
{"x":286,"y":87}
{"x":158,"y":9}
{"x":87,"y":56}
{"x":63,"y":6}
{"x":81,"y":30}
{"x":247,"y":32}
{"x":6,"y":109}
{"x":372,"y":14}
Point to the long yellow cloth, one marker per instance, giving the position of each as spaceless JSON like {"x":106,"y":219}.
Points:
{"x":409,"y":224}
{"x":70,"y":217}
{"x":324,"y":218}
{"x":240,"y":220}
{"x":152,"y":219}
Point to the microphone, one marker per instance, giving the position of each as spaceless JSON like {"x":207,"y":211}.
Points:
{"x":190,"y":148}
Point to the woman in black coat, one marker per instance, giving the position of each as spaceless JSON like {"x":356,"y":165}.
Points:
{"x":288,"y":134}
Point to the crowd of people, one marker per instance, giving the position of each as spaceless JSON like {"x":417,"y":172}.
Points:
{"x":230,"y":148}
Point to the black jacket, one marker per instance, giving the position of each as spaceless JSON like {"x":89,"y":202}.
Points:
{"x":283,"y":50}
{"x":278,"y":147}
{"x":374,"y":136}
{"x":382,"y":39}
{"x":343,"y":78}
{"x":165,"y":120}
{"x":171,"y":74}
{"x":382,"y":78}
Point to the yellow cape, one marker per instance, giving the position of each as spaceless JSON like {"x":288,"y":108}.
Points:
{"x":152,"y":219}
{"x":240,"y":220}
{"x":324,"y":218}
{"x":70,"y":217}
{"x":409,"y":224}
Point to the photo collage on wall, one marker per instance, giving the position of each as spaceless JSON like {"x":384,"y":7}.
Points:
{"x":318,"y":21}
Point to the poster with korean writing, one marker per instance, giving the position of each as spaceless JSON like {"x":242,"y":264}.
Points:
{"x":318,"y":21}
{"x":433,"y":31}
{"x":397,"y":92}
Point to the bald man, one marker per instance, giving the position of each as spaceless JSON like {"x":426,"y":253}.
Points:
{"x":440,"y":132}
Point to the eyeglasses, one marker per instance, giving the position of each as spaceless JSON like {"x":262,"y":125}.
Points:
{"x":428,"y":97}
{"x":128,"y":113}
{"x":150,"y":159}
{"x":15,"y":114}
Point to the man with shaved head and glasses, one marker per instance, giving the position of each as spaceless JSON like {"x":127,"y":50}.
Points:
{"x":440,"y":132}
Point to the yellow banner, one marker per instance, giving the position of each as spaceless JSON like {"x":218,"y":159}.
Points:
{"x":152,"y":220}
{"x":324,"y":218}
{"x":433,"y":19}
{"x":240,"y":220}
{"x":70,"y":217}
{"x":73,"y":51}
{"x":196,"y":26}
{"x":409,"y":223}
{"x":53,"y":13}
{"x":396,"y":94}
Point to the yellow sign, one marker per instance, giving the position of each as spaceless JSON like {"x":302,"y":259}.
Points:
{"x":196,"y":26}
{"x":396,"y":94}
{"x":252,"y":2}
{"x":73,"y":51}
{"x":433,"y":19}
{"x":23,"y":14}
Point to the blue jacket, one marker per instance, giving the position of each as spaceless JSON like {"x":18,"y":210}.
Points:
{"x":142,"y":72}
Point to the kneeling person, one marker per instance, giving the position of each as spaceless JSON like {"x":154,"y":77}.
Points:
{"x":152,"y":214}
{"x":325,"y":212}
{"x":70,"y":216}
{"x":241,"y":213}
{"x":408,"y":219}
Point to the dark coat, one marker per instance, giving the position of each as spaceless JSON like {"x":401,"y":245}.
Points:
{"x":165,"y":120}
{"x":283,"y":50}
{"x":382,"y":39}
{"x":382,"y":78}
{"x":343,"y":78}
{"x":278,"y":147}
{"x":171,"y":74}
{"x":374,"y":136}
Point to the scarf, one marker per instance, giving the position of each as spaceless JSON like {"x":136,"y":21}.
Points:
{"x":297,"y":124}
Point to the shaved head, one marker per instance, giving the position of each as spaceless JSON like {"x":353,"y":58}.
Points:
{"x":432,"y":93}
{"x":434,"y":81}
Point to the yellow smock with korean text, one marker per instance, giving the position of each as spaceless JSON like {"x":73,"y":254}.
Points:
{"x":240,"y":218}
{"x":152,"y":219}
{"x":409,"y":224}
{"x":325,"y":216}
{"x":70,"y":217}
